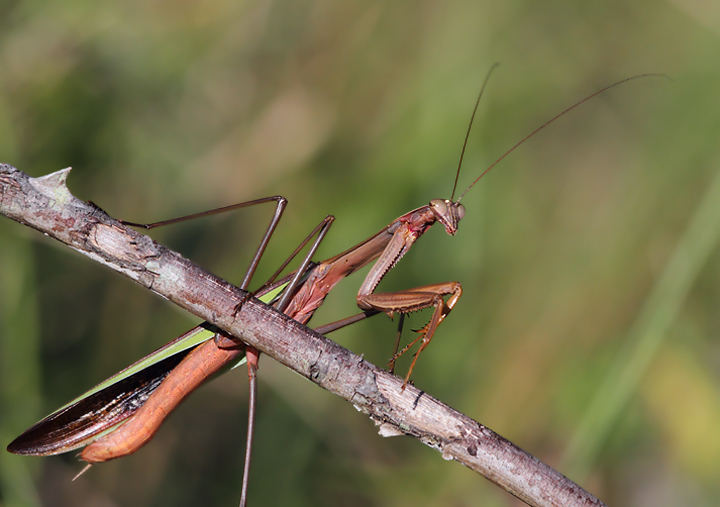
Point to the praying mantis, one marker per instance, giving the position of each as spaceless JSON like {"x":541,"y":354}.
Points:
{"x":204,"y":356}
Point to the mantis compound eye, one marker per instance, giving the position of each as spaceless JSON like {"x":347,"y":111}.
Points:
{"x":460,"y":211}
{"x":439,"y":207}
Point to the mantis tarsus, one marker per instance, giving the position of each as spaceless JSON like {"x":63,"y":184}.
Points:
{"x":389,"y":245}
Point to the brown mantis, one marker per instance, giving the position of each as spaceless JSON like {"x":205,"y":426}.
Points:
{"x":388,"y":246}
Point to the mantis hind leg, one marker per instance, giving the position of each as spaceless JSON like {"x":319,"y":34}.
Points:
{"x":253,"y":356}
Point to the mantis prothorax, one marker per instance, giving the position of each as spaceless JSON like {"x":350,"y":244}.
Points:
{"x":388,"y":246}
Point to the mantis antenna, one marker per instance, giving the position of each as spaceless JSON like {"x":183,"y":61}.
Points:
{"x":534,"y":131}
{"x":472,"y":118}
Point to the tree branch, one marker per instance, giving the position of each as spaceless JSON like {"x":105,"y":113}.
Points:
{"x":47,"y":205}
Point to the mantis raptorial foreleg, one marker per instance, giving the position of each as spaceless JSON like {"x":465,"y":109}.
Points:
{"x":429,"y":296}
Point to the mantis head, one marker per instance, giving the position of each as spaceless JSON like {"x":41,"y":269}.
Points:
{"x":448,"y":213}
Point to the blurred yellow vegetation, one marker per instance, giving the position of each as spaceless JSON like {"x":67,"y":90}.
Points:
{"x":681,"y":395}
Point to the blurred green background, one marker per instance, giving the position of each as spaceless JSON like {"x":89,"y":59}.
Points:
{"x":588,"y":330}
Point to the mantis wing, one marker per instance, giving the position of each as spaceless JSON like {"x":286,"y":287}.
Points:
{"x":104,"y":407}
{"x":107,"y":405}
